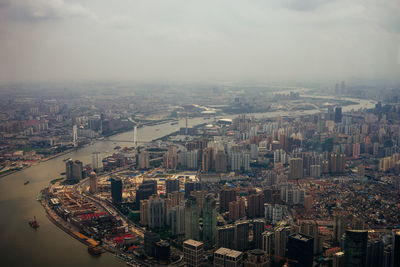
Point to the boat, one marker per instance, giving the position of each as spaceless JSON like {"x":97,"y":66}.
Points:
{"x":66,"y":159}
{"x":26,"y":182}
{"x":33,"y":223}
{"x":94,"y":250}
{"x":174,"y":123}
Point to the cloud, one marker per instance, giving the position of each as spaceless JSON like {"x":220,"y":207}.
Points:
{"x":42,"y":10}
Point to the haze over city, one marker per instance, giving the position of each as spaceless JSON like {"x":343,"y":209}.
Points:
{"x":201,"y":41}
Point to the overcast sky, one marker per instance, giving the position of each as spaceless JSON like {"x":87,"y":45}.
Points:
{"x":202,"y":40}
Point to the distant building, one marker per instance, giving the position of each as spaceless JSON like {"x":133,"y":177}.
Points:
{"x":338,"y":114}
{"x":258,"y":229}
{"x":116,"y":190}
{"x":171,"y":186}
{"x":93,"y":183}
{"x":192,"y":219}
{"x":242,"y":229}
{"x":220,"y":162}
{"x":209,"y":220}
{"x":225,"y":196}
{"x":227,"y":257}
{"x":145,"y":190}
{"x":144,"y":160}
{"x":74,"y":170}
{"x":295,"y":168}
{"x":193,"y":253}
{"x":255,"y":205}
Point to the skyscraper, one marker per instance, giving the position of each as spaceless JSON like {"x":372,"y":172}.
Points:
{"x":145,"y":190}
{"x":355,"y":248}
{"x":258,"y":229}
{"x":116,"y":190}
{"x":338,"y":114}
{"x":191,"y":219}
{"x":255,"y":205}
{"x":207,"y":159}
{"x":220,"y":161}
{"x":156,"y":212}
{"x":209,"y":220}
{"x":300,"y":248}
{"x":74,"y":170}
{"x":226,"y":236}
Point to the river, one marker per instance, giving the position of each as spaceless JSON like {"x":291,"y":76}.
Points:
{"x":49,"y":246}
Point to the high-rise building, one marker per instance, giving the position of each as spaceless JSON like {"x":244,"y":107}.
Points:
{"x":74,"y":170}
{"x":300,"y":248}
{"x":93,"y":183}
{"x":224,"y":257}
{"x":191,"y":186}
{"x":220,"y":161}
{"x":254,"y":151}
{"x":255,"y":205}
{"x":75,"y":135}
{"x":171,"y":186}
{"x":257,"y":258}
{"x":338,"y":259}
{"x":209,"y":220}
{"x":116,"y":190}
{"x":163,"y":250}
{"x":355,"y":248}
{"x":396,"y":249}
{"x":156,"y":212}
{"x":200,"y":197}
{"x":150,"y":240}
{"x":338,"y":114}
{"x":193,"y":253}
{"x":96,"y":160}
{"x":176,"y":220}
{"x":226,"y":236}
{"x":190,"y":159}
{"x":242,"y":230}
{"x":170,"y":158}
{"x":207,"y":159}
{"x":310,"y":228}
{"x":295,"y":168}
{"x":144,"y":212}
{"x":338,"y":228}
{"x":268,"y":242}
{"x":225,"y":196}
{"x":258,"y":229}
{"x":144,"y":160}
{"x":280,"y":238}
{"x":145,"y":190}
{"x":192,"y":219}
{"x":234,"y":210}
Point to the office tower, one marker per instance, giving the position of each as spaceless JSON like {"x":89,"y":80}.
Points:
{"x":75,"y":136}
{"x":355,"y":248}
{"x":145,"y":190}
{"x":225,"y":196}
{"x":191,"y":186}
{"x":338,"y":259}
{"x":74,"y":170}
{"x":176,"y":220}
{"x":258,"y":229}
{"x":338,"y":228}
{"x":338,"y":114}
{"x":226,"y":236}
{"x":144,"y":160}
{"x":220,"y":161}
{"x":116,"y":190}
{"x":300,"y":248}
{"x":295,"y":168}
{"x":193,"y":253}
{"x":396,"y":249}
{"x":207,"y":159}
{"x":310,"y":228}
{"x":242,"y":230}
{"x":257,"y":258}
{"x":209,"y":221}
{"x":150,"y":240}
{"x":255,"y":205}
{"x":227,"y":257}
{"x":156,"y":212}
{"x":163,"y":250}
{"x":171,"y":186}
{"x":144,"y":212}
{"x":93,"y":183}
{"x":268,"y":242}
{"x":192,"y":219}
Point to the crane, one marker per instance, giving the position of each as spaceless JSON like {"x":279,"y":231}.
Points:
{"x":283,"y":258}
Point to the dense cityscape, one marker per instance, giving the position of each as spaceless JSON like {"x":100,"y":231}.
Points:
{"x":297,"y":181}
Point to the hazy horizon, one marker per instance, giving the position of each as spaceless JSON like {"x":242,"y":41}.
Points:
{"x":199,"y":41}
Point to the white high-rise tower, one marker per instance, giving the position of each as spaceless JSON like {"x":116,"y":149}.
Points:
{"x":75,"y":135}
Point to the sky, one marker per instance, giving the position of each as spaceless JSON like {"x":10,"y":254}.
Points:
{"x":202,"y":41}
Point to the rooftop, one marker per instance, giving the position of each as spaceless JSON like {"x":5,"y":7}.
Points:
{"x":228,"y":252}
